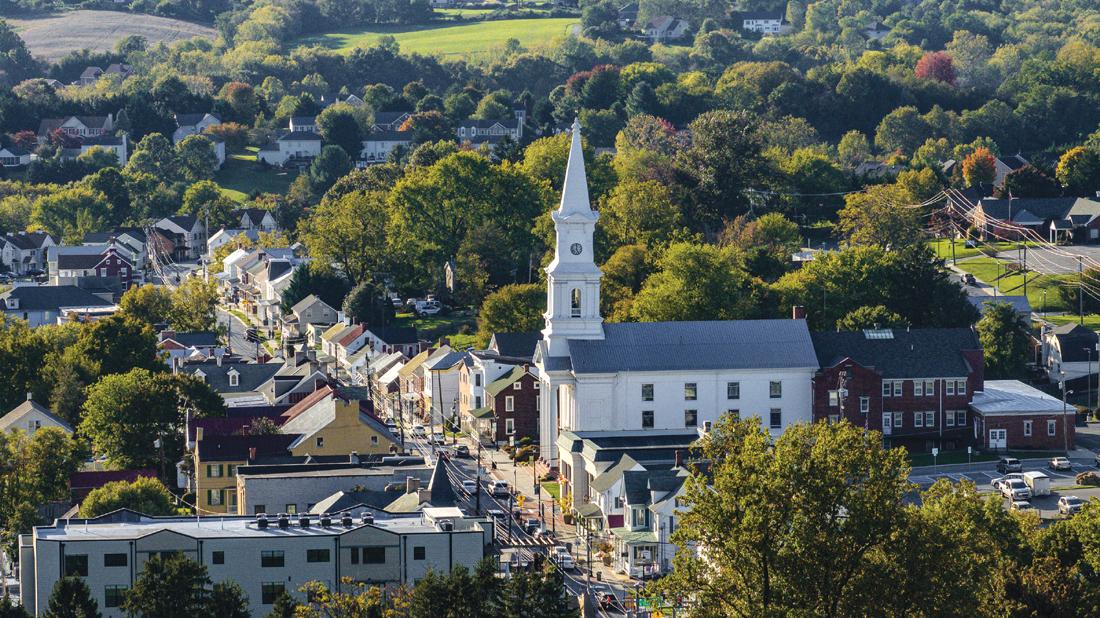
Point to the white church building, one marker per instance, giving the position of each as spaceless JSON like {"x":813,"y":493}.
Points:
{"x":648,"y":389}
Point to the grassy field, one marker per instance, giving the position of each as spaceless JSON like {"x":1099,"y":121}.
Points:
{"x":960,"y":457}
{"x":470,"y":39}
{"x":1043,"y":291}
{"x":53,"y":36}
{"x":459,"y":327}
{"x":239,"y":177}
{"x":942,"y":248}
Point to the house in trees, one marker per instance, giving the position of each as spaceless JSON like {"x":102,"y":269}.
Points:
{"x":30,"y":416}
{"x":628,"y":15}
{"x":913,"y":385}
{"x":193,"y":124}
{"x":380,"y":144}
{"x":25,"y":252}
{"x":305,"y":124}
{"x":666,"y":28}
{"x":389,"y":121}
{"x":75,"y":126}
{"x":256,"y":220}
{"x":14,"y":156}
{"x":472,"y":131}
{"x":763,"y":22}
{"x":292,"y":147}
{"x":1069,"y":353}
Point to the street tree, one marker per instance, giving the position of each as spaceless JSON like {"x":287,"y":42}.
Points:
{"x":147,"y":304}
{"x":194,"y":305}
{"x":145,"y":495}
{"x":172,"y":586}
{"x":1005,"y":340}
{"x":352,"y":233}
{"x":881,"y":215}
{"x":511,"y":309}
{"x":1079,"y":171}
{"x":979,"y":167}
{"x":698,"y":282}
{"x":71,"y":598}
{"x":197,"y":158}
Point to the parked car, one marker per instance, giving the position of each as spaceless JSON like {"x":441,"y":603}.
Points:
{"x":427,"y":307}
{"x":1060,"y":463}
{"x":531,"y":525}
{"x":605,"y":596}
{"x":499,"y":489}
{"x":418,"y":431}
{"x":437,"y":438}
{"x":469,"y":486}
{"x":969,"y":279}
{"x":495,"y":513}
{"x":1069,"y":505}
{"x":998,"y":483}
{"x":1016,"y":489}
{"x":1021,"y":505}
{"x":462,"y":451}
{"x":563,"y":558}
{"x":1009,"y":464}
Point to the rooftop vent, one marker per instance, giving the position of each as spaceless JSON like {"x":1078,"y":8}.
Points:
{"x":326,"y":520}
{"x":368,"y":518}
{"x":303,"y":521}
{"x":446,"y":525}
{"x":345,"y":520}
{"x":284,"y":521}
{"x":878,"y":333}
{"x":261,"y":521}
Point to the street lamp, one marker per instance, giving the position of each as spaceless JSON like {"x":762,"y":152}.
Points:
{"x":1065,"y":411}
{"x":1088,"y":379}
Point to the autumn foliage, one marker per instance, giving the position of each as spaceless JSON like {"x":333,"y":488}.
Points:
{"x":938,"y":66}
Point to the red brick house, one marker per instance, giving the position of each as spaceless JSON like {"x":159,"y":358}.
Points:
{"x":513,"y":401}
{"x":1012,"y":415}
{"x":913,"y":385}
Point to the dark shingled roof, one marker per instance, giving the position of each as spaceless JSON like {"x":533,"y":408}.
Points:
{"x":1073,"y":339}
{"x":27,"y":240}
{"x":916,"y":353}
{"x":237,"y":448}
{"x":78,"y":261}
{"x":299,"y":136}
{"x":518,"y":345}
{"x":52,"y":297}
{"x":1041,"y":207}
{"x":201,"y":338}
{"x":252,"y":375}
{"x":695,"y":346}
{"x":395,"y":335}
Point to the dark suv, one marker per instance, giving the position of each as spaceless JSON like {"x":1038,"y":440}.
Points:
{"x":1009,"y":464}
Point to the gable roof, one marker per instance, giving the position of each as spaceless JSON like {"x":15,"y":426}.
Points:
{"x":249,"y":375}
{"x":300,"y":136}
{"x":901,"y":353}
{"x":414,"y":363}
{"x":1075,"y":342}
{"x":28,"y":240}
{"x":52,"y":297}
{"x":306,"y":302}
{"x":254,"y":215}
{"x":493,"y":388}
{"x":678,"y":346}
{"x":238,"y":448}
{"x":519,"y":345}
{"x":395,"y":335}
{"x":28,"y":406}
{"x":1019,"y":303}
{"x":190,"y":120}
{"x":1041,"y":208}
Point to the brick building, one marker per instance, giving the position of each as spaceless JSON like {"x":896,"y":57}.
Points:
{"x":1012,"y":415}
{"x":512,"y":402}
{"x":913,"y":385}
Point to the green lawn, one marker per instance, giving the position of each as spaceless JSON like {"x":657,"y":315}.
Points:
{"x":450,"y":326}
{"x":960,"y":457}
{"x":1092,"y":320}
{"x":553,"y":488}
{"x":942,"y":248}
{"x":464,"y":39}
{"x":240,"y":176}
{"x":1043,"y":291}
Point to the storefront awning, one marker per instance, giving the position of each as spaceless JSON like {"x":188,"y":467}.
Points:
{"x":482,"y":413}
{"x":635,"y":537}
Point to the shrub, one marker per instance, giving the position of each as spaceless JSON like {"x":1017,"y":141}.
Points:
{"x":1088,"y":478}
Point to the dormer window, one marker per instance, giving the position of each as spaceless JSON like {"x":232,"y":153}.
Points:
{"x":199,"y":375}
{"x":234,"y":378}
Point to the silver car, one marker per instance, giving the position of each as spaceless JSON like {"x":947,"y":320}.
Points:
{"x":1060,"y":463}
{"x":1015,"y":489}
{"x":1069,"y":505}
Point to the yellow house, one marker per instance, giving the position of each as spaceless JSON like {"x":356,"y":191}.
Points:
{"x":216,"y":459}
{"x":332,"y":421}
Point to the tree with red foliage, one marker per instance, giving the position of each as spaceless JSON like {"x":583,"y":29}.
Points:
{"x":938,"y":66}
{"x":65,"y":140}
{"x":25,"y":139}
{"x":979,"y":167}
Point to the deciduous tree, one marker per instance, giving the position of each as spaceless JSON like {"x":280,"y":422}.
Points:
{"x":174,"y":586}
{"x":1005,"y":341}
{"x":698,"y":282}
{"x":145,"y":495}
{"x":511,"y":309}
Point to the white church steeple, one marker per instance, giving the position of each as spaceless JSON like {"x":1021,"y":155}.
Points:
{"x":573,"y":279}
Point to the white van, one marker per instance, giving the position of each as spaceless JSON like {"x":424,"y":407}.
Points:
{"x":1038,"y":482}
{"x":499,"y":489}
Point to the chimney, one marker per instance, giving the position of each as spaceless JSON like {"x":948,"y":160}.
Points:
{"x":198,"y":434}
{"x":411,"y":484}
{"x":251,"y":453}
{"x":798,"y":312}
{"x":30,"y":396}
{"x":218,"y":358}
{"x":679,"y":458}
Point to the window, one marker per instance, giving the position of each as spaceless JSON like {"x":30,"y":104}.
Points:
{"x":477,"y":379}
{"x":214,"y":497}
{"x":231,"y":470}
{"x":1052,"y":427}
{"x":234,"y":379}
{"x":113,"y":596}
{"x":647,"y":419}
{"x":259,"y":508}
{"x":418,"y":552}
{"x":76,"y":564}
{"x":272,"y":558}
{"x":355,"y":555}
{"x":517,"y":386}
{"x":898,"y":419}
{"x":949,"y":419}
{"x":775,"y":419}
{"x":291,"y":509}
{"x":733,"y":390}
{"x":316,"y":555}
{"x":864,"y":405}
{"x":929,"y":419}
{"x":269,"y":591}
{"x":918,"y":388}
{"x":509,"y":403}
{"x":217,"y":557}
{"x":834,"y":399}
{"x":320,"y":442}
{"x":775,"y":389}
{"x":374,"y":440}
{"x":374,"y":555}
{"x":897,"y":388}
{"x":114,"y":560}
{"x":918,"y":419}
{"x":1027,"y":429}
{"x":509,"y":426}
{"x":950,"y":387}
{"x":575,"y":303}
{"x":477,"y":401}
{"x":647,"y":392}
{"x":960,"y":387}
{"x":690,"y":391}
{"x":213,"y":471}
{"x":887,"y":388}
{"x":735,"y":414}
{"x":691,"y":418}
{"x":960,"y":418}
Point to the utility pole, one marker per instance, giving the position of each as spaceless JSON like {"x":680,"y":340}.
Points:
{"x":1080,"y":291}
{"x":477,"y":508}
{"x":1025,"y":270}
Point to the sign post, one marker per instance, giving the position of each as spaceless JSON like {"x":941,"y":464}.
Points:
{"x":935,"y":455}
{"x":969,"y":458}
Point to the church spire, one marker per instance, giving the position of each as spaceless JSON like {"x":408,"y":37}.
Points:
{"x":574,"y":191}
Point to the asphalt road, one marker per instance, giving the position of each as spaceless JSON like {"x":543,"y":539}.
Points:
{"x":237,"y":343}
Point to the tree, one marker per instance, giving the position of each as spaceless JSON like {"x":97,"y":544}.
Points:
{"x":367,"y":303}
{"x":169,"y":587}
{"x":284,"y":606}
{"x":882,"y":215}
{"x":511,"y":309}
{"x":698,"y":282}
{"x":22,"y":354}
{"x":767,"y":243}
{"x":71,"y":598}
{"x":350,"y":232}
{"x":328,"y":167}
{"x":194,"y":305}
{"x":145,"y":495}
{"x":902,"y":130}
{"x":148,"y":304}
{"x":71,"y":213}
{"x":936,"y":65}
{"x":33,"y":470}
{"x":206,"y":200}
{"x":755,"y":559}
{"x":126,"y":412}
{"x":979,"y":167}
{"x":197,"y":158}
{"x":639,"y":213}
{"x":339,"y":126}
{"x":228,"y":600}
{"x":1005,"y":341}
{"x":8,"y":608}
{"x":1028,"y":181}
{"x":724,"y":159}
{"x":1079,"y":171}
{"x":155,"y":155}
{"x":870,"y":317}
{"x":429,"y":126}
{"x":331,"y":287}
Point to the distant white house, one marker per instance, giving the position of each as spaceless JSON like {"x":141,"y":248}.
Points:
{"x":378,"y":146}
{"x":197,"y":124}
{"x":25,"y":252}
{"x":76,"y":126}
{"x":30,"y":416}
{"x":256,"y":220}
{"x":304,"y":124}
{"x":14,"y":156}
{"x":118,"y":144}
{"x":291,"y":146}
{"x":763,"y":22}
{"x":666,"y":28}
{"x":490,"y":131}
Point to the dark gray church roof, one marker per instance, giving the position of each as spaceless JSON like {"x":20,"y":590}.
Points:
{"x":679,"y":346}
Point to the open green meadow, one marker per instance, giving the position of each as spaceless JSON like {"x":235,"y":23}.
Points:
{"x":1043,"y":291}
{"x":451,"y":39}
{"x":240,"y":176}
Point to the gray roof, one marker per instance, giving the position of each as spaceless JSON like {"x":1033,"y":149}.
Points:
{"x":300,"y":136}
{"x":251,"y":375}
{"x":446,"y":361}
{"x":699,"y":346}
{"x":1073,"y":339}
{"x":604,"y":481}
{"x":27,"y":240}
{"x":916,"y":353}
{"x":1019,"y":303}
{"x":200,"y":338}
{"x":395,"y":335}
{"x":303,"y":304}
{"x":1040,"y":207}
{"x":519,"y":345}
{"x":52,"y":297}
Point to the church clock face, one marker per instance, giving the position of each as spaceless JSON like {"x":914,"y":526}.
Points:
{"x":576,"y":248}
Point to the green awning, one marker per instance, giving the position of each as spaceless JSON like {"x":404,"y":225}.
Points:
{"x":482,"y":413}
{"x":632,"y":537}
{"x":588,"y":510}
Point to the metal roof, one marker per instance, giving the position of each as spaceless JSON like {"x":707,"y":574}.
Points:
{"x":1012,"y":397}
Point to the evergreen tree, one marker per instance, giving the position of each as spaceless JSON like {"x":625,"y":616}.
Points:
{"x":8,"y":609}
{"x":171,"y":587}
{"x":283,"y":607}
{"x":71,"y":598}
{"x":228,"y":600}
